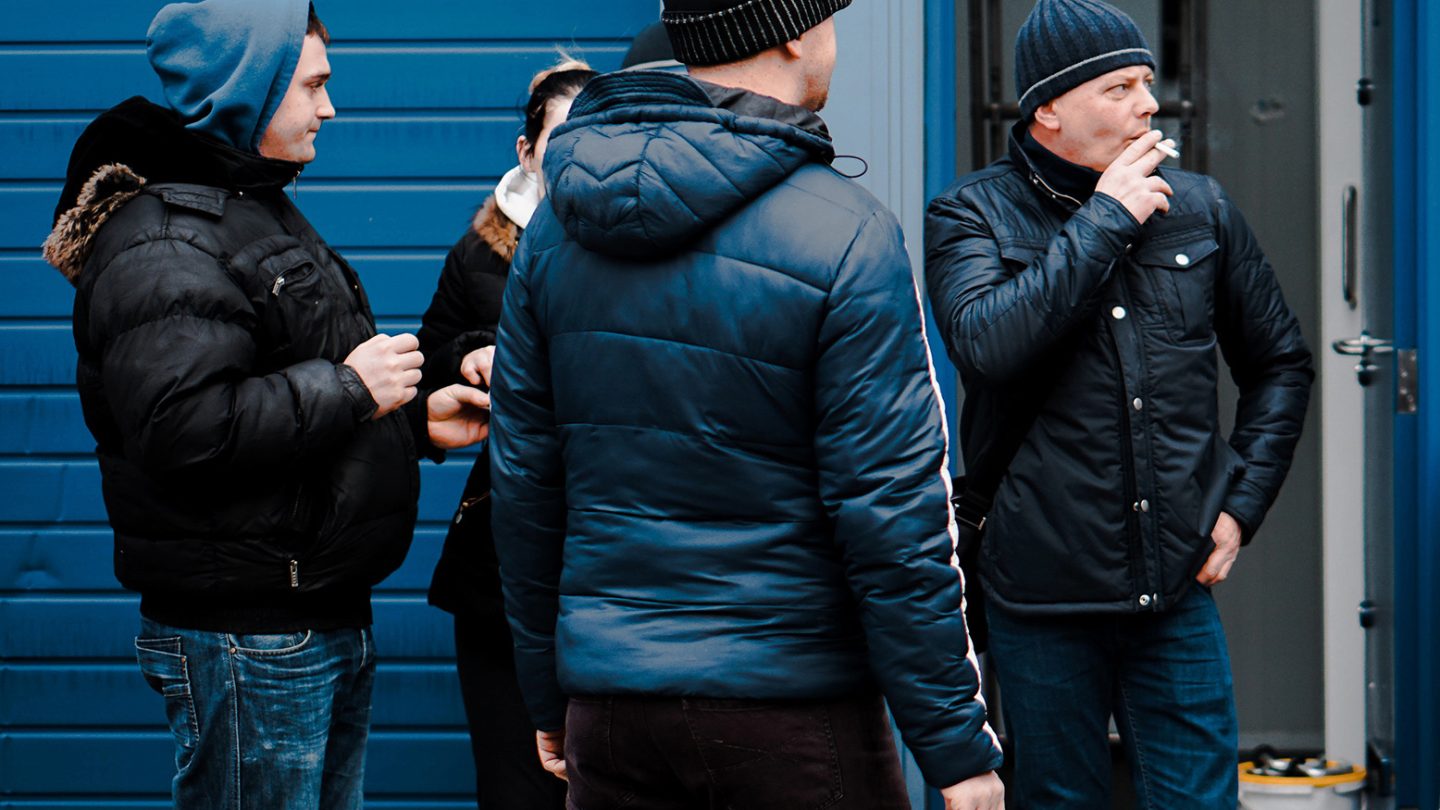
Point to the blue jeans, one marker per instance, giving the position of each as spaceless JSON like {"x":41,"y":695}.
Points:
{"x":1164,"y":676}
{"x":268,"y":722}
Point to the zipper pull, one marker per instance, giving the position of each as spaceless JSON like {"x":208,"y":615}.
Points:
{"x":294,"y":573}
{"x":279,"y":282}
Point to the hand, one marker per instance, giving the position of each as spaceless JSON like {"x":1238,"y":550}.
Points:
{"x":457,"y":416}
{"x":983,"y":792}
{"x":551,"y":745}
{"x":476,"y":365}
{"x":1129,"y":179}
{"x":1226,"y":535}
{"x":390,"y":368}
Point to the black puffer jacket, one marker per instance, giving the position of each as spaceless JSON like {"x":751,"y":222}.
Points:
{"x":247,"y":487}
{"x":462,"y":317}
{"x":1070,"y":307}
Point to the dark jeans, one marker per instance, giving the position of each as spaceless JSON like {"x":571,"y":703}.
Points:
{"x":670,"y":753}
{"x":269,"y":722}
{"x":508,"y":775}
{"x":1164,"y":676}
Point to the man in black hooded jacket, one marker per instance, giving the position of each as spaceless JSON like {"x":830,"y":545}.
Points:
{"x":257,"y":453}
{"x":1082,"y":296}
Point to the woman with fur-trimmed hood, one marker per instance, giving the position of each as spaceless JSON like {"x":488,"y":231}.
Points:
{"x":457,"y":336}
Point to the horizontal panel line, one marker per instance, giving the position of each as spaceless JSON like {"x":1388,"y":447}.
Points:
{"x":385,"y":662}
{"x":475,"y":185}
{"x":373,"y":799}
{"x":21,"y":595}
{"x":486,"y":113}
{"x":397,"y":597}
{"x":37,"y":389}
{"x":19,"y":733}
{"x":345,"y":46}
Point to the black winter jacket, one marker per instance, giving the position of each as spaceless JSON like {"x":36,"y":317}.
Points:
{"x":1069,"y":308}
{"x":462,"y":317}
{"x":247,"y":487}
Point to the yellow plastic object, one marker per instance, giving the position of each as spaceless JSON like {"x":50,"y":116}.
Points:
{"x":1355,"y":775}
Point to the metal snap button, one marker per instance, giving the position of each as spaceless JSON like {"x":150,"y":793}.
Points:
{"x":1118,"y":313}
{"x":1144,"y":506}
{"x":1138,"y":403}
{"x":1182,"y":259}
{"x":1145,"y":600}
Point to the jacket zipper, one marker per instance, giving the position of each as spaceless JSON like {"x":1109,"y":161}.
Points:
{"x":294,"y":573}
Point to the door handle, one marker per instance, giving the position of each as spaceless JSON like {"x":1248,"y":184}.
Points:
{"x":1349,"y":248}
{"x":1364,"y":347}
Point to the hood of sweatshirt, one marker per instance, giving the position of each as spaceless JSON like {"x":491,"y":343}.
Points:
{"x":225,"y":65}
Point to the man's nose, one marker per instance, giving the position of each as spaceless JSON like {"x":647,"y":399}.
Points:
{"x":327,"y":108}
{"x":1148,"y":105}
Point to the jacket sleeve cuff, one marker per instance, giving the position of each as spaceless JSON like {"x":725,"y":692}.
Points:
{"x":362,"y":403}
{"x":417,"y":414}
{"x":950,"y":765}
{"x":1247,"y":511}
{"x":1112,"y":218}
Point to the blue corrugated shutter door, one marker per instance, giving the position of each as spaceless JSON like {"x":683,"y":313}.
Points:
{"x":428,"y":93}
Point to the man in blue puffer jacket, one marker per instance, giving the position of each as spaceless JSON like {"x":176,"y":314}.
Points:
{"x":719,"y":458}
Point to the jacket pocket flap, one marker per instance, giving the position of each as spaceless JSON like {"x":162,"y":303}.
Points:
{"x":1177,"y":255}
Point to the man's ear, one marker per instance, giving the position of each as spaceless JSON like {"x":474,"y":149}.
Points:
{"x":1045,"y":116}
{"x":795,"y":48}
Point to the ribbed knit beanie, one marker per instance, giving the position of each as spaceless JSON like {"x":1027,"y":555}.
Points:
{"x":713,"y":32}
{"x":1065,"y":43}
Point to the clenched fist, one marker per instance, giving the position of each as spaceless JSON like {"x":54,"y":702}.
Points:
{"x":390,"y":368}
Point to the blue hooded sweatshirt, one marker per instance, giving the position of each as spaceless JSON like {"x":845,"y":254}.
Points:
{"x":226,"y":64}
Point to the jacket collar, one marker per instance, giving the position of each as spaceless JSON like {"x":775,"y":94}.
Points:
{"x":1068,"y":184}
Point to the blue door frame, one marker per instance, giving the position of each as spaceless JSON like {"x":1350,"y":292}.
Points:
{"x":1417,"y":437}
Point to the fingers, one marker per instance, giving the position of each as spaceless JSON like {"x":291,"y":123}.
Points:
{"x":1151,"y":160}
{"x":405,"y":342}
{"x":470,"y":372}
{"x":1141,"y":148}
{"x":466,"y":395}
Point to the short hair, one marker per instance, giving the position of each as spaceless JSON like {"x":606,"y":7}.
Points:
{"x":316,"y":28}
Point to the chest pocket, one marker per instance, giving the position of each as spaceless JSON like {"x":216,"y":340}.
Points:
{"x":299,"y":307}
{"x":1176,"y":283}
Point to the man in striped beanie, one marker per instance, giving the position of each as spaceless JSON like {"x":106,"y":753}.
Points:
{"x":1082,"y":290}
{"x":719,"y":458}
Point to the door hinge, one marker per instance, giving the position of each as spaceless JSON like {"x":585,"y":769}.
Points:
{"x":1407,"y":381}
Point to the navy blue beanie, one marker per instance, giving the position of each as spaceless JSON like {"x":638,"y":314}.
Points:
{"x":225,"y":65}
{"x":1065,"y":43}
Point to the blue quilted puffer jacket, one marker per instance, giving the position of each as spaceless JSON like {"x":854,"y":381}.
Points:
{"x":719,"y":459}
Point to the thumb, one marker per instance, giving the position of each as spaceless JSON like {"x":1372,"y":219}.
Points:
{"x":466,"y":395}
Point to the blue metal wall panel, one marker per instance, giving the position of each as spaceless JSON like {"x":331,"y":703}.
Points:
{"x":429,"y":102}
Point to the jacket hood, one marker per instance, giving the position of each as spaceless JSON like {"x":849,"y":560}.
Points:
{"x":649,"y":161}
{"x":225,"y":64}
{"x":134,"y":143}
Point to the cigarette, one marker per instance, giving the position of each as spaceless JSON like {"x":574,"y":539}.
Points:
{"x":1167,"y":150}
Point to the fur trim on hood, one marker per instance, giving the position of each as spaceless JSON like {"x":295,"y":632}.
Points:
{"x":107,"y":191}
{"x":498,"y":231}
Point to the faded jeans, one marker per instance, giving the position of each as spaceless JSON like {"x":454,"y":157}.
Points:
{"x":274,"y":721}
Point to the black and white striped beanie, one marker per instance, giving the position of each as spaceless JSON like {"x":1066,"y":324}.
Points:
{"x":1065,"y":43}
{"x":713,"y":32}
